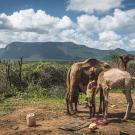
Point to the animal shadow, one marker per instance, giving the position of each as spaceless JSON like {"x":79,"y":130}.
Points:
{"x":117,"y":117}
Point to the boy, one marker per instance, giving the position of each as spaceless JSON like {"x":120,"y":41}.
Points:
{"x":90,"y":93}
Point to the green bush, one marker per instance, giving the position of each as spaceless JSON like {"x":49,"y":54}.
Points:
{"x":39,"y":80}
{"x":36,"y":91}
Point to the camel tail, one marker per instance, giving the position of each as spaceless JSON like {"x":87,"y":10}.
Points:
{"x":68,"y":81}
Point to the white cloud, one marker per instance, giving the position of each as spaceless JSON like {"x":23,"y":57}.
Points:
{"x":88,"y":23}
{"x":120,"y":21}
{"x":30,"y":20}
{"x":108,"y":32}
{"x":132,"y":41}
{"x":65,"y":22}
{"x":89,"y":6}
{"x":109,"y":36}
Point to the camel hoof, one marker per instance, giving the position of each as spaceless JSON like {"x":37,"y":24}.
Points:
{"x":76,"y":111}
{"x":89,"y":117}
{"x":124,"y":120}
{"x":105,"y":118}
{"x":100,"y":112}
{"x":68,"y":113}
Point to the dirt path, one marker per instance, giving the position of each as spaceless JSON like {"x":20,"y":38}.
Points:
{"x":49,"y":121}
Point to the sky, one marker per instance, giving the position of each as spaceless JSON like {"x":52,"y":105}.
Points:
{"x":102,"y":24}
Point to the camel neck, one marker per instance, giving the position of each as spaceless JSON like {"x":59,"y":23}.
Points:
{"x":122,"y":65}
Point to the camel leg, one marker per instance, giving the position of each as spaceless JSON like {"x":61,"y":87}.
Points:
{"x":101,"y":101}
{"x":129,"y":103}
{"x":71,"y":105}
{"x":106,"y":103}
{"x":76,"y":103}
{"x":67,"y":103}
{"x":103,"y":104}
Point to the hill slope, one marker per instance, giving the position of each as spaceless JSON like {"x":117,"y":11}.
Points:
{"x":53,"y":50}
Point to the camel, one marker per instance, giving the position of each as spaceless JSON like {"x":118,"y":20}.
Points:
{"x":78,"y":78}
{"x":116,"y":78}
{"x":123,"y":61}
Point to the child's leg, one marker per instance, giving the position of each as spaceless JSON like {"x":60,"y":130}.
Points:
{"x":93,"y":110}
{"x":90,"y":111}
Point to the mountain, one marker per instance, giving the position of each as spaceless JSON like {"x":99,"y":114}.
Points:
{"x":132,"y":52}
{"x":54,"y":50}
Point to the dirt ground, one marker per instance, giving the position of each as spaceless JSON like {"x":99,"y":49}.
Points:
{"x":48,"y":122}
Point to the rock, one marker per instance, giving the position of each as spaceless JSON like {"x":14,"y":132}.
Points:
{"x":31,"y":121}
{"x":112,"y":106}
{"x":74,"y":126}
{"x":93,"y":126}
{"x":123,"y":133}
{"x":15,"y":127}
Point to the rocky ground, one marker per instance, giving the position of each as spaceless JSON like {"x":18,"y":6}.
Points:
{"x":49,"y":121}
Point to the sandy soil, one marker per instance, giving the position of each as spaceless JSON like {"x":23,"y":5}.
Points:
{"x":49,"y":121}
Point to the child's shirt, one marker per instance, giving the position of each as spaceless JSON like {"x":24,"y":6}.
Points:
{"x":91,"y":87}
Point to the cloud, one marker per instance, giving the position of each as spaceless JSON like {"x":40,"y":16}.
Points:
{"x":65,"y":22}
{"x":30,"y":20}
{"x":30,"y":25}
{"x":89,"y":6}
{"x":120,"y":21}
{"x":109,"y":36}
{"x":4,"y":22}
{"x":108,"y":32}
{"x":88,"y":23}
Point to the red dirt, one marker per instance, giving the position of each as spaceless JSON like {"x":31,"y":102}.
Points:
{"x":49,"y":121}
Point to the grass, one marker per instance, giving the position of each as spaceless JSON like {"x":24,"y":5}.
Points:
{"x":11,"y":104}
{"x":49,"y":103}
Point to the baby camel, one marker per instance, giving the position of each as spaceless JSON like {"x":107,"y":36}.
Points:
{"x":116,"y":78}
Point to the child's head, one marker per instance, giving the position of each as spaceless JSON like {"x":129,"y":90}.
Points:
{"x":92,"y":76}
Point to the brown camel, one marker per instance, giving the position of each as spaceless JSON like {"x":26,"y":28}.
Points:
{"x":123,"y":61}
{"x":78,"y":78}
{"x":116,"y":78}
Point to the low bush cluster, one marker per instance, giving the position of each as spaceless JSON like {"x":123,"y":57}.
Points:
{"x":38,"y":79}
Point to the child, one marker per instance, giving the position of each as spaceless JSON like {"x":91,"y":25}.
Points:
{"x":90,"y":93}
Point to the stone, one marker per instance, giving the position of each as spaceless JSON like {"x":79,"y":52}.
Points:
{"x":93,"y":126}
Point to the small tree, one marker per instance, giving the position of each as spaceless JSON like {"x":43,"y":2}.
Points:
{"x":20,"y":62}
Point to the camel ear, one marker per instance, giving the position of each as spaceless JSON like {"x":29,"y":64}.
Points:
{"x":87,"y":60}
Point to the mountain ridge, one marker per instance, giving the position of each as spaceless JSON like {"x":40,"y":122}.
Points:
{"x":55,"y":51}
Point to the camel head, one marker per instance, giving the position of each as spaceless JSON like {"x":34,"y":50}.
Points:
{"x":127,"y":58}
{"x":98,"y":67}
{"x":124,"y":59}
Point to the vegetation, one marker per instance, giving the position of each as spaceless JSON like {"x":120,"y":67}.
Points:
{"x":40,"y":84}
